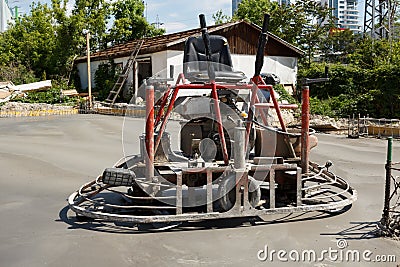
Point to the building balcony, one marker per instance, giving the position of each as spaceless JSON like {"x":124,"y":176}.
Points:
{"x":352,"y":12}
{"x":350,"y":19}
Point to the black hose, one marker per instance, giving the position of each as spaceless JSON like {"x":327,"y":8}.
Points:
{"x":262,"y":41}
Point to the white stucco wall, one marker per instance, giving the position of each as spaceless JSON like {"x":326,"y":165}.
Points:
{"x":175,"y":58}
{"x":284,"y":67}
{"x":159,"y":64}
{"x":82,"y":68}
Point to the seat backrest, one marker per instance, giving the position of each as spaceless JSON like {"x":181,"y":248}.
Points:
{"x":195,"y":60}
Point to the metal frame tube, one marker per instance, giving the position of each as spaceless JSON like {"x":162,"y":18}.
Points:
{"x":149,"y":139}
{"x":163,"y":103}
{"x":219,"y":122}
{"x":277,"y":109}
{"x":388,"y":168}
{"x":239,"y":148}
{"x":164,"y":122}
{"x":305,"y":128}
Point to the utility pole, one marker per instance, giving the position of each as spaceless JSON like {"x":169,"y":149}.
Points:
{"x":157,"y":23}
{"x":88,"y":66}
{"x":379,"y":18}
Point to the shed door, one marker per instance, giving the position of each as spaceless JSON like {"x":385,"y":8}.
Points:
{"x":141,"y":71}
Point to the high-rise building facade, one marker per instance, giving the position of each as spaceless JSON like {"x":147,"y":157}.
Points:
{"x":285,"y":2}
{"x":5,"y":15}
{"x":346,"y":12}
{"x":235,"y":4}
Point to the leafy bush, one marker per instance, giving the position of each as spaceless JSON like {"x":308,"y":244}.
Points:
{"x":284,"y":95}
{"x":338,"y":106}
{"x":352,"y":89}
{"x":17,"y":74}
{"x":105,"y":77}
{"x":320,"y":107}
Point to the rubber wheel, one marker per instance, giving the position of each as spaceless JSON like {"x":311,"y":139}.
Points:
{"x":227,"y":193}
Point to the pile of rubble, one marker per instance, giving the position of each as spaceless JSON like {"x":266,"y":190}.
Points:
{"x":391,"y":228}
{"x":319,"y":120}
{"x":321,"y":123}
{"x":8,"y":90}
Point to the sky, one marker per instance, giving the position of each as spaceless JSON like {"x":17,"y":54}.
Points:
{"x":176,"y":15}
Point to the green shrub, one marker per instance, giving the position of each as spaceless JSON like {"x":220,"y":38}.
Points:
{"x":105,"y":77}
{"x":352,"y":90}
{"x":17,"y":74}
{"x":284,"y":95}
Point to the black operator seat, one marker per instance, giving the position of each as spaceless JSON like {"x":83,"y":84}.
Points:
{"x":195,"y":60}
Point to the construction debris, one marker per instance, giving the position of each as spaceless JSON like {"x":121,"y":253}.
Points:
{"x":8,"y":90}
{"x":72,"y":92}
{"x":32,"y":87}
{"x":325,"y":124}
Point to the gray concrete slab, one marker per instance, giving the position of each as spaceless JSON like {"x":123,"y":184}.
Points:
{"x":43,"y":160}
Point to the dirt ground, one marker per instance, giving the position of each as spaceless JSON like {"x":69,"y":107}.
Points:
{"x":43,"y":160}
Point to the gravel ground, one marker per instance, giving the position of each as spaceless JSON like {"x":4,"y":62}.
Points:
{"x":16,"y":106}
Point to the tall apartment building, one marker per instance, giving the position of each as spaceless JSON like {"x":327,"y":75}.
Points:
{"x":235,"y":4}
{"x":5,"y":15}
{"x":346,"y":12}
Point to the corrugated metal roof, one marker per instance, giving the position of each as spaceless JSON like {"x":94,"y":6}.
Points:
{"x":163,"y":42}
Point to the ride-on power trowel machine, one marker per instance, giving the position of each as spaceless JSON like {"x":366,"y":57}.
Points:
{"x":232,"y":162}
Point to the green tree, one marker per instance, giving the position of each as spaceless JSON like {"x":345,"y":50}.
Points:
{"x":339,"y":45}
{"x":31,"y":41}
{"x":304,"y":23}
{"x":129,"y":22}
{"x":17,"y":73}
{"x":219,"y":17}
{"x":69,"y":39}
{"x":92,"y":15}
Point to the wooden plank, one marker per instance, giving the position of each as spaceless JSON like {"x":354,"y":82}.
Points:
{"x":179,"y":193}
{"x":209,"y":192}
{"x":272,"y":189}
{"x":299,"y":187}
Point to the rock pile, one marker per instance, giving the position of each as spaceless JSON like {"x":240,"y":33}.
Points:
{"x":17,"y":106}
{"x":391,"y":228}
{"x":16,"y":109}
{"x":325,"y":120}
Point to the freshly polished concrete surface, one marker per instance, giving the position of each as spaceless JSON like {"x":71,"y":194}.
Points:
{"x":44,"y":159}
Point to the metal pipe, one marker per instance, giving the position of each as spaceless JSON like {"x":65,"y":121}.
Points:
{"x":164,"y":121}
{"x":149,"y":132}
{"x":387,"y":181}
{"x":164,"y":101}
{"x":305,"y":124}
{"x":277,"y":110}
{"x":88,"y":69}
{"x":239,"y":148}
{"x":219,"y":122}
{"x":250,"y":115}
